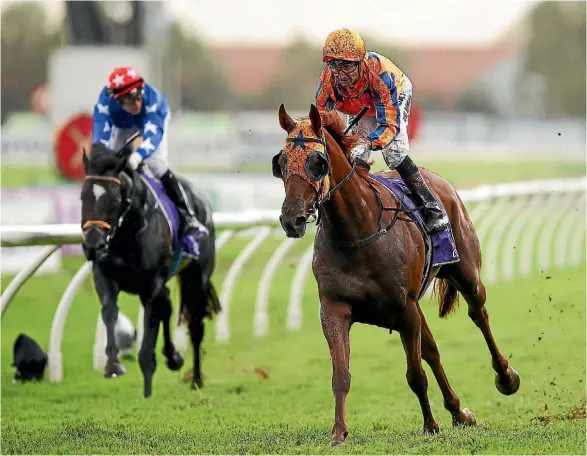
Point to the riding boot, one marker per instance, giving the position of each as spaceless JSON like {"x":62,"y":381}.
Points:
{"x":434,"y":218}
{"x":190,"y":223}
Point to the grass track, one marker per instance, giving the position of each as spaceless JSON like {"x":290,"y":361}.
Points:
{"x":538,"y":322}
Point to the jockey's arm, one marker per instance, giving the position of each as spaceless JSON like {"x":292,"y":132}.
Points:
{"x":102,"y":120}
{"x":386,"y":109}
{"x":153,"y":133}
{"x":324,"y":98}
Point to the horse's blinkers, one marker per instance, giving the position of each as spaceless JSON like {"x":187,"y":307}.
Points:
{"x":318,"y":169}
{"x":276,"y":167}
{"x":320,"y":161}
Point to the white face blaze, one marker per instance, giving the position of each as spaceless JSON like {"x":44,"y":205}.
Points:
{"x":98,"y":191}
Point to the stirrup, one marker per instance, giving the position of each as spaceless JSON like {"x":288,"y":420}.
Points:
{"x":193,"y":227}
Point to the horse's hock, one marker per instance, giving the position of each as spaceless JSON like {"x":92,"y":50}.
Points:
{"x":523,"y":228}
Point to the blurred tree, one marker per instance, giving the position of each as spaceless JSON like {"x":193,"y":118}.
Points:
{"x":556,"y":51}
{"x":477,"y":98}
{"x":27,"y":41}
{"x":204,"y":85}
{"x":388,"y":50}
{"x":296,"y":85}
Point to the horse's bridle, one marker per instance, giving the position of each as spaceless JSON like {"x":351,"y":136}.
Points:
{"x":101,"y":224}
{"x":323,"y":195}
{"x":321,"y":200}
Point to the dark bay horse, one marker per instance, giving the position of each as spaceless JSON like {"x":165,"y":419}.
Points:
{"x":370,"y":259}
{"x":130,"y":235}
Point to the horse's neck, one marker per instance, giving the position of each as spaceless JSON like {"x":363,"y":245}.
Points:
{"x":135,"y":218}
{"x":350,"y":213}
{"x":135,"y":223}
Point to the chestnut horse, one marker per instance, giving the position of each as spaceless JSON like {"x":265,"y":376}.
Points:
{"x":369,"y":260}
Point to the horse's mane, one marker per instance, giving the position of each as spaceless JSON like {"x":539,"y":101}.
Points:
{"x":335,"y":125}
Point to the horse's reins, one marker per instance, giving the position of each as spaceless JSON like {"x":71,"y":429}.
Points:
{"x":101,"y":223}
{"x":320,"y":202}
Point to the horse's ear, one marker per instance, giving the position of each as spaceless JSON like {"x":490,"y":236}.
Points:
{"x":86,"y":159}
{"x":315,"y":119}
{"x":285,"y":120}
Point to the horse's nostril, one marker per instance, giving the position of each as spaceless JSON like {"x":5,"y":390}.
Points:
{"x":300,"y":221}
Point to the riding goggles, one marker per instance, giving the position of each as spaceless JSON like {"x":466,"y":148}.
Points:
{"x":342,"y":65}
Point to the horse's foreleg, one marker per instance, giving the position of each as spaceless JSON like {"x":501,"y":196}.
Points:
{"x":336,"y":323}
{"x":107,"y":290}
{"x":470,"y":286}
{"x":173,"y":359}
{"x":431,"y":355}
{"x":411,"y":339}
{"x":147,"y":359}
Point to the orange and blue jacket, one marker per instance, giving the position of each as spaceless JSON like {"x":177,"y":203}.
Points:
{"x":379,"y":85}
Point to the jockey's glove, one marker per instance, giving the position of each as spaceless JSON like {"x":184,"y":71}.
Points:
{"x":361,"y":150}
{"x":135,"y":160}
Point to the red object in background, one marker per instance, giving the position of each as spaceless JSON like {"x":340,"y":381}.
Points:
{"x":415,"y":121}
{"x":69,"y":144}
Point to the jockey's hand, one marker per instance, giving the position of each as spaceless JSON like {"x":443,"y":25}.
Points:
{"x":135,"y":160}
{"x":360,"y":150}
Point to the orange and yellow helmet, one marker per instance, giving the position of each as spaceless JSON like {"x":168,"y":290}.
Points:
{"x":344,"y":44}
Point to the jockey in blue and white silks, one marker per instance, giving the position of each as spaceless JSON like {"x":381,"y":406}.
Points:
{"x":128,"y":103}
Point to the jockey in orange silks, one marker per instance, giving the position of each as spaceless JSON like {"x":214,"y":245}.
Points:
{"x":353,"y":78}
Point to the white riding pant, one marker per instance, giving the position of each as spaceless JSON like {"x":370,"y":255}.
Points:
{"x":399,"y":147}
{"x":158,"y":161}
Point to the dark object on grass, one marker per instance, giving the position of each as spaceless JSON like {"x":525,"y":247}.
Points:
{"x":30,"y":359}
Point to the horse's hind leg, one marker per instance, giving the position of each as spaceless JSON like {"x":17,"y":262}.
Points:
{"x":173,"y":359}
{"x":431,"y":355}
{"x":194,"y":303}
{"x":465,"y":277}
{"x":410,"y":333}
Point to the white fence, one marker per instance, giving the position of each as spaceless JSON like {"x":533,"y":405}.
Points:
{"x":521,"y":226}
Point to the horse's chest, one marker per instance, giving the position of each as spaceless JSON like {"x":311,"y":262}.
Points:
{"x":131,"y":277}
{"x":375,"y":294}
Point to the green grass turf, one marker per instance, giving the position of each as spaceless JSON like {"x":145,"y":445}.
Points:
{"x":538,"y":322}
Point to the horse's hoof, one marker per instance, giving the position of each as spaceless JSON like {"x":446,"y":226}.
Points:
{"x":197,"y":384}
{"x":511,"y":383}
{"x":114,"y":370}
{"x":337,"y":443}
{"x":174,"y":362}
{"x":464,"y":418}
{"x":431,"y":428}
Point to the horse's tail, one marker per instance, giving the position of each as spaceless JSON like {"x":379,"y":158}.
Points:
{"x":213,"y":306}
{"x":448,"y":297}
